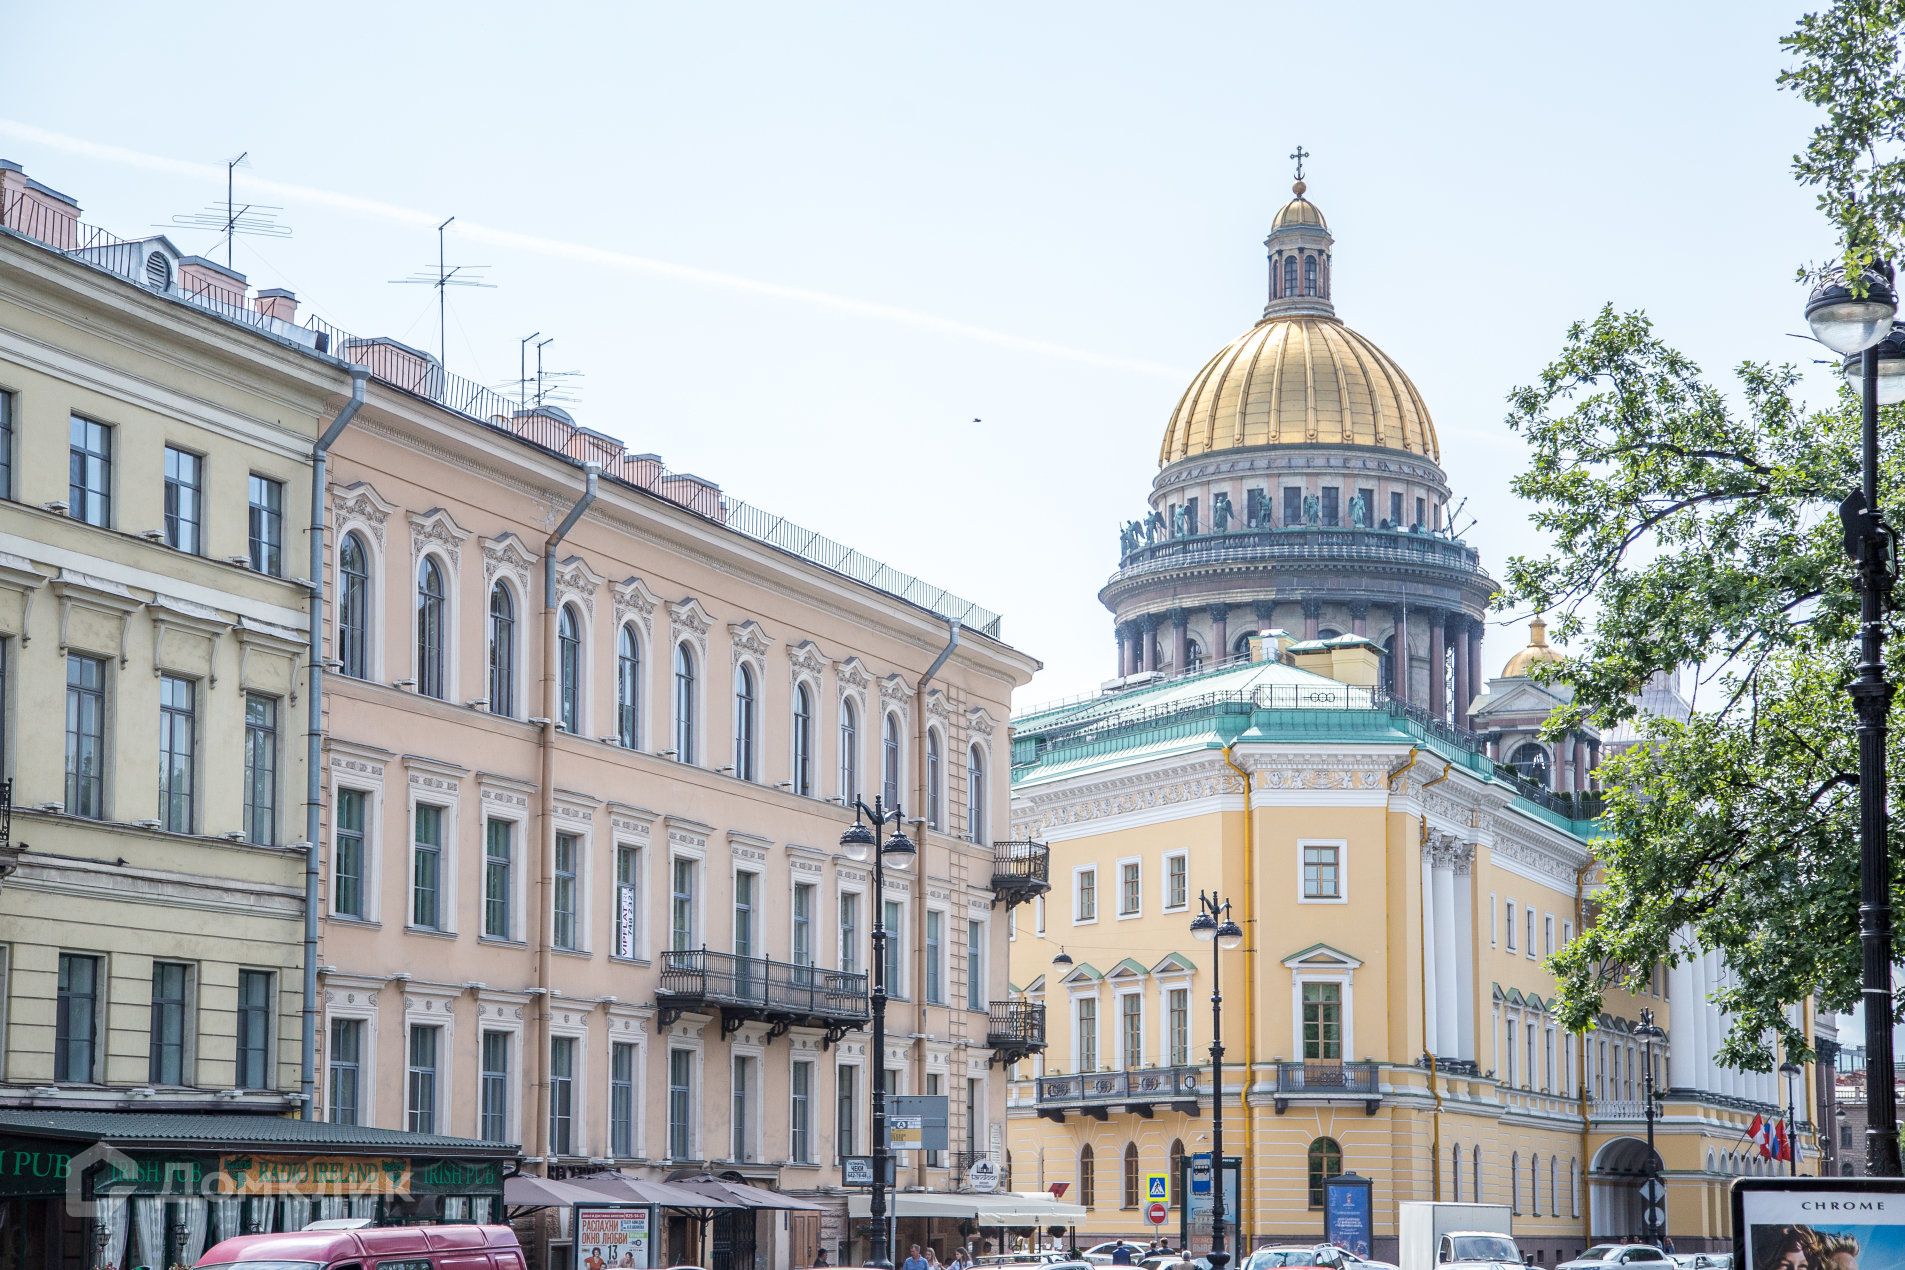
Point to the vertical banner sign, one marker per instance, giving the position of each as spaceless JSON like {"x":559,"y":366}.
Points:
{"x":1346,"y":1209}
{"x":611,"y":1238}
{"x":625,"y":920}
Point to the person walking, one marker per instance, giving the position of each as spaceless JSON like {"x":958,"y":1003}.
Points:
{"x":914,"y":1261}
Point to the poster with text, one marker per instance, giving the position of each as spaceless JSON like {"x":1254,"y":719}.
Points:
{"x":611,"y":1238}
{"x":1832,"y":1223}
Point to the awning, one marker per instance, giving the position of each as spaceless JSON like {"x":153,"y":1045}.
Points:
{"x":634,"y":1190}
{"x":524,"y":1191}
{"x":1003,"y":1208}
{"x":740,"y":1194}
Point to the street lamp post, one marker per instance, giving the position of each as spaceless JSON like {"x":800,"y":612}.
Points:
{"x":1860,"y":328}
{"x":1649,"y":1032}
{"x":1791,"y":1070}
{"x":1213,"y":924}
{"x":858,"y":843}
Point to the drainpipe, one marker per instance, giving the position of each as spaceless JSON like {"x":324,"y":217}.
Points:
{"x":919,"y":874}
{"x":1250,"y":1002}
{"x":1428,"y":1043}
{"x":314,"y":743}
{"x":537,"y":1061}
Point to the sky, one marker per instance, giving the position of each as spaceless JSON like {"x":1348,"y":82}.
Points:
{"x":930,"y":278}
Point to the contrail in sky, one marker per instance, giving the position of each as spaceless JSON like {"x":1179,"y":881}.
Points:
{"x":537,"y":244}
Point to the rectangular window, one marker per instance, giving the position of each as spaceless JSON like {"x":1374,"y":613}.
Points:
{"x":681,"y":904}
{"x":1422,"y":511}
{"x":741,"y":1118}
{"x":1567,"y":933}
{"x":6,"y":445}
{"x":421,"y":1078}
{"x":800,"y":1123}
{"x":255,"y":1026}
{"x":1292,"y":506}
{"x":76,"y":1021}
{"x":1323,"y":1021}
{"x":1085,"y":896}
{"x":171,"y":1015}
{"x":184,"y":494}
{"x":895,"y":921}
{"x":493,"y":1097}
{"x":1322,"y":872}
{"x":975,"y":965}
{"x":1177,"y":881}
{"x":975,"y":1116}
{"x":347,"y":863}
{"x":1547,"y":1059}
{"x":562,"y":1095}
{"x":804,"y":893}
{"x":628,"y":901}
{"x":846,"y":1114}
{"x":850,"y":932}
{"x":261,"y":769}
{"x":1130,"y":889}
{"x":1511,"y":1053}
{"x":1510,"y":909}
{"x":935,"y":957}
{"x":622,"y":1100}
{"x":1547,"y":934}
{"x":1085,"y":1038}
{"x":499,"y":880}
{"x":1332,"y":505}
{"x":745,"y":885}
{"x":1130,"y":1031}
{"x":426,"y":869}
{"x":680,"y":1103}
{"x":85,"y":736}
{"x":1178,"y":1007}
{"x":1531,"y":931}
{"x":1395,"y":508}
{"x":344,"y":1074}
{"x":178,"y":751}
{"x":89,"y":472}
{"x":1038,"y":915}
{"x":568,"y":853}
{"x":267,"y":525}
{"x":1368,"y":497}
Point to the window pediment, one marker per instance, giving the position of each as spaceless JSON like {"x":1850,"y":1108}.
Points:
{"x":1322,"y":957}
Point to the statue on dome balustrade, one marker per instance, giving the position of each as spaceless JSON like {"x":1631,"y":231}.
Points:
{"x":1220,"y":513}
{"x":1312,"y":509}
{"x":1357,"y":516}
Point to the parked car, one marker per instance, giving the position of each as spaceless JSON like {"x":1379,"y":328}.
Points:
{"x":1291,"y":1255}
{"x":1611,"y":1256}
{"x":466,"y":1246}
{"x":1703,"y":1260}
{"x":1353,"y":1262}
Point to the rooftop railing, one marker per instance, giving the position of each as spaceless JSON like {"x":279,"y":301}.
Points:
{"x":1347,"y":544}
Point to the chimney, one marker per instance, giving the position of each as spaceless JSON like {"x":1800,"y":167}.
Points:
{"x":595,"y":447}
{"x":1271,"y":645}
{"x":32,"y":209}
{"x":204,"y":279}
{"x":278,"y":304}
{"x":1348,"y":659}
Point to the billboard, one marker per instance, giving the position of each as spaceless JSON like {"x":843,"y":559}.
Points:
{"x":609,"y":1238}
{"x":1346,"y":1208}
{"x":1819,"y":1223}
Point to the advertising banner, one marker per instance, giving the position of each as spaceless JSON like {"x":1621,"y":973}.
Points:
{"x":1822,"y":1223}
{"x":608,"y":1238}
{"x":1346,"y":1207}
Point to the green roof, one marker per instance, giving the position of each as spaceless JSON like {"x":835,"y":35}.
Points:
{"x":131,"y":1130}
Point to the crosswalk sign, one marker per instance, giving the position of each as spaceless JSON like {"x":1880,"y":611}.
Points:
{"x":1157,"y":1187}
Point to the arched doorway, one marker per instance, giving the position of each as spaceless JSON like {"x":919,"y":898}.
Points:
{"x":1614,"y":1187}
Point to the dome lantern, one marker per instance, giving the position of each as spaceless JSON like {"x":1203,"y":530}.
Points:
{"x":1299,"y":250}
{"x":1538,"y":650}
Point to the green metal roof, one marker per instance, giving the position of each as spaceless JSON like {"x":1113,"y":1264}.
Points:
{"x":131,"y":1130}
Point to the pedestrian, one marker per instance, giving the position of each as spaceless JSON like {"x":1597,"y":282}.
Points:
{"x":958,"y":1261}
{"x":913,"y":1260}
{"x":1121,"y":1255}
{"x":932,"y":1259}
{"x":820,"y":1260}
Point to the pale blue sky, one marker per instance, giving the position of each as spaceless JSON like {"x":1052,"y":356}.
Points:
{"x":1091,"y":176}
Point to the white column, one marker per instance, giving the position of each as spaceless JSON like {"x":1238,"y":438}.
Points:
{"x":1680,"y":1039}
{"x":1429,"y":1034}
{"x":1447,"y":1012}
{"x":1465,"y":953}
{"x":1699,"y":1016}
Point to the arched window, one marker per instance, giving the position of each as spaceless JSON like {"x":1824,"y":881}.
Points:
{"x":1193,"y":655}
{"x":1240,"y":647}
{"x":628,"y":689}
{"x":1132,"y":1187}
{"x":849,"y":750}
{"x":569,"y":668}
{"x":1531,"y":760}
{"x":746,"y":719}
{"x":935,"y":801}
{"x":502,"y":650}
{"x":1326,"y":1161}
{"x":1476,"y":1177}
{"x":1087,"y":1180}
{"x":1276,"y":279}
{"x":685,"y":740}
{"x":430,"y":618}
{"x":1514,"y":1183}
{"x":1574,"y":1187}
{"x":1389,"y":667}
{"x":803,"y":773}
{"x":977,"y":803}
{"x":1534,"y":1184}
{"x":1309,"y":275}
{"x":890,"y":759}
{"x":1289,"y":275}
{"x":1455,"y":1169}
{"x":1177,"y":1171}
{"x":353,"y":607}
{"x":1554,"y":1189}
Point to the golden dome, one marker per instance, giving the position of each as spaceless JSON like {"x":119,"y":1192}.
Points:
{"x":1538,"y":650}
{"x":1295,"y":379}
{"x":1299,"y":211}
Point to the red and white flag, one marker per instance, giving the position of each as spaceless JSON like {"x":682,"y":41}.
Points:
{"x":1759,"y":1133}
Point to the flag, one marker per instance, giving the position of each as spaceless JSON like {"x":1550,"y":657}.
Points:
{"x":1758,"y":1133}
{"x":1782,"y":1145}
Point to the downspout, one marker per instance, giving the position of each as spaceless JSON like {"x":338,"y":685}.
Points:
{"x":919,"y":873}
{"x":314,"y":744}
{"x":1250,"y":1001}
{"x":1428,"y":1045}
{"x":537,"y":1061}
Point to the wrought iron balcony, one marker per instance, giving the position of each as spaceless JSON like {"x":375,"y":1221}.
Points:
{"x":1020,"y":871}
{"x":1015,"y":1030}
{"x":1315,"y":1081}
{"x":1144,"y":1090}
{"x":746,"y":989}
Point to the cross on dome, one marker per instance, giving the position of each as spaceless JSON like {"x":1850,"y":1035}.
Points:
{"x":1300,"y":155}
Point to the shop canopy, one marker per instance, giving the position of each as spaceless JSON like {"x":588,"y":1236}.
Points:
{"x":1002,"y":1208}
{"x":740,"y":1194}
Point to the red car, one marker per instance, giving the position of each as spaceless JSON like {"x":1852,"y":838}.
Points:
{"x":413,"y":1247}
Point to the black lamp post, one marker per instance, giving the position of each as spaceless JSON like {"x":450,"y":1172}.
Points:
{"x":1791,"y":1070}
{"x":1649,"y":1032}
{"x":1861,"y":329}
{"x":1213,"y":924}
{"x":858,"y":843}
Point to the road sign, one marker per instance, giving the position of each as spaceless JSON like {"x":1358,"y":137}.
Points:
{"x":1157,"y":1212}
{"x":1157,"y":1186}
{"x":916,"y":1122}
{"x":857,"y":1170}
{"x":983,"y":1176}
{"x":1200,"y":1174}
{"x":1652,"y":1191}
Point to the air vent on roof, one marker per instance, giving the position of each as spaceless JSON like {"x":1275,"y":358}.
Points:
{"x":159,"y":271}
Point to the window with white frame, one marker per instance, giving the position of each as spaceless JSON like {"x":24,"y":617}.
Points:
{"x":495,"y":1082}
{"x":1323,"y":871}
{"x":803,"y":741}
{"x":893,"y":917}
{"x":499,"y":879}
{"x":1085,"y":1034}
{"x":800,"y":1115}
{"x":849,"y":750}
{"x":1130,"y":888}
{"x":426,"y":867}
{"x":975,"y":965}
{"x":1494,"y":921}
{"x":890,"y":759}
{"x":846,"y":1114}
{"x":978,"y":797}
{"x":683,"y":919}
{"x":742,"y":1118}
{"x":1084,"y":895}
{"x":622,"y":1061}
{"x":935,"y":776}
{"x":850,"y":931}
{"x":432,"y":604}
{"x":935,"y":957}
{"x":1177,"y":1027}
{"x":569,"y":669}
{"x":502,"y":650}
{"x":1547,"y":934}
{"x":565,"y":896}
{"x":628,"y":900}
{"x":687,"y":704}
{"x":1323,"y":1021}
{"x":344,"y":1059}
{"x":1130,"y":1030}
{"x":1530,"y":948}
{"x":681,"y":1104}
{"x":628,"y":688}
{"x":422,"y":1074}
{"x":806,"y":898}
{"x":1509,"y":908}
{"x":747,"y":723}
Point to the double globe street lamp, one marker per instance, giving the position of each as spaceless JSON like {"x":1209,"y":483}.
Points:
{"x":1214,"y":925}
{"x":1857,"y":322}
{"x":896,"y":851}
{"x":1649,"y":1032}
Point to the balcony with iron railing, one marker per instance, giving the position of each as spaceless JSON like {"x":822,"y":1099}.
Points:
{"x":750,"y":989}
{"x":1021,"y":871}
{"x":1015,"y":1030}
{"x":1315,"y":1080}
{"x":1141,"y":1090}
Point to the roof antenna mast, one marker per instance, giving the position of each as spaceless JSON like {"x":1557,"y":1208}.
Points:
{"x":446,"y":276}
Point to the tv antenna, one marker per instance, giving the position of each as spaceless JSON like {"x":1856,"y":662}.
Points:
{"x":446,"y":276}
{"x":254,"y":220}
